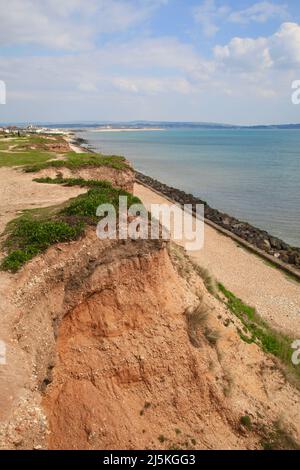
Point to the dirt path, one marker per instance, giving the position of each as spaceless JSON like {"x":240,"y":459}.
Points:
{"x":275,"y":296}
{"x":18,"y":192}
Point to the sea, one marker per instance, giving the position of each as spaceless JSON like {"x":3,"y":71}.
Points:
{"x":252,"y":174}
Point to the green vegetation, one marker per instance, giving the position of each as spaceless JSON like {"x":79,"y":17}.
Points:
{"x":81,"y":160}
{"x":28,"y":150}
{"x":23,"y":158}
{"x":256,"y":330}
{"x":38,"y":152}
{"x":86,"y":205}
{"x":30,"y":237}
{"x":279,"y":439}
{"x":246,"y":422}
{"x":147,"y":405}
{"x":208,"y":280}
{"x":211,"y":335}
{"x":196,"y":319}
{"x":75,"y":182}
{"x":185,"y":267}
{"x":239,"y":308}
{"x":36,"y":230}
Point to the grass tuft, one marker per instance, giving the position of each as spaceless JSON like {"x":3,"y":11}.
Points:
{"x":211,"y":335}
{"x":196,"y":320}
{"x":246,"y":422}
{"x":279,"y":439}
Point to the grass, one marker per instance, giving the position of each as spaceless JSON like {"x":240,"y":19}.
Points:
{"x":208,"y":280}
{"x":146,"y":406}
{"x":31,"y":237}
{"x":32,"y":233}
{"x":196,"y":319}
{"x":86,"y":205}
{"x":75,"y":182}
{"x":211,"y":335}
{"x":256,"y":330}
{"x":185,"y":267}
{"x":29,"y":150}
{"x":101,"y":192}
{"x":246,"y":422}
{"x":36,"y":153}
{"x":279,"y":439}
{"x":6,"y":143}
{"x":24,"y":158}
{"x":81,"y":160}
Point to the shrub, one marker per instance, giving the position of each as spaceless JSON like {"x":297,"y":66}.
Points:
{"x":30,"y":237}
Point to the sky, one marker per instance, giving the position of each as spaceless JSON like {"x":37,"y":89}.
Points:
{"x":219,"y":61}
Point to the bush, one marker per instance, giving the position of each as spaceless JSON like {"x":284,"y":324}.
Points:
{"x":30,"y":237}
{"x":87,"y":204}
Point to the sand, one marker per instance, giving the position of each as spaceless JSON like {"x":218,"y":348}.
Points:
{"x":19,"y":192}
{"x":275,"y":295}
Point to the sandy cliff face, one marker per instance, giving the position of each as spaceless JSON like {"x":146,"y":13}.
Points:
{"x":103,"y":352}
{"x":120,"y":179}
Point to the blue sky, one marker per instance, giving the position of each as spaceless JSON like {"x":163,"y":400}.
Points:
{"x":194,"y":60}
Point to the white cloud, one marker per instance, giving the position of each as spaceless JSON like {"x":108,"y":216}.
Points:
{"x":284,"y":46}
{"x":153,"y":77}
{"x":259,"y":12}
{"x":69,"y":24}
{"x":153,"y":85}
{"x":245,"y":53}
{"x":209,"y":14}
{"x":155,"y":66}
{"x":281,"y":50}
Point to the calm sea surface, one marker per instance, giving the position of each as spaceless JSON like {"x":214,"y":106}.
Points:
{"x":251,"y":174}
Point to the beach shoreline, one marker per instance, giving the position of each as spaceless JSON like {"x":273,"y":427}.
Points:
{"x":261,"y":242}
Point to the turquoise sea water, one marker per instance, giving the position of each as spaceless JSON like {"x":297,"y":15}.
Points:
{"x":253,"y":175}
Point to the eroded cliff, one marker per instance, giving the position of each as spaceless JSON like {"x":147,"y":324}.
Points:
{"x":119,"y":345}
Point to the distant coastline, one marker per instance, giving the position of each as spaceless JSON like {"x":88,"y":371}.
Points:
{"x":151,"y":125}
{"x":126,"y":129}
